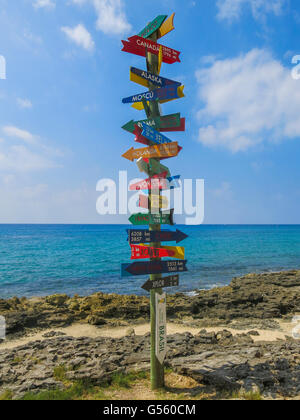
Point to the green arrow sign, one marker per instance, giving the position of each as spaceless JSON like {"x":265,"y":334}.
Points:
{"x":153,"y":26}
{"x":168,"y":121}
{"x":140,"y":219}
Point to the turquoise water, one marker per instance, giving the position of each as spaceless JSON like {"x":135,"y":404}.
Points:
{"x":37,"y":260}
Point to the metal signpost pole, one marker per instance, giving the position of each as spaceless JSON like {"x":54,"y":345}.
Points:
{"x":157,"y":369}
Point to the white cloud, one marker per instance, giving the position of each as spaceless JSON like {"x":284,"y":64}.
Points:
{"x":44,"y":4}
{"x":80,"y":35}
{"x":31,"y":156}
{"x":24,"y":103}
{"x":111,"y":17}
{"x":12,"y":131}
{"x":247,"y":100}
{"x":232,"y":9}
{"x":20,"y":159}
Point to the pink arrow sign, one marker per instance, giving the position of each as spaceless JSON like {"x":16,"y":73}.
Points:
{"x":157,"y":182}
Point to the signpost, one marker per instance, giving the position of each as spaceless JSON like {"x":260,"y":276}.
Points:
{"x":147,"y":132}
{"x":139,"y":252}
{"x":153,"y":267}
{"x":141,"y":219}
{"x":138,"y":236}
{"x":162,"y":95}
{"x":155,"y":202}
{"x":157,"y":182}
{"x":161,"y":327}
{"x":153,"y":26}
{"x":171,"y":281}
{"x":166,"y":27}
{"x":160,"y":151}
{"x":162,"y":123}
{"x":140,"y":46}
{"x":143,"y":78}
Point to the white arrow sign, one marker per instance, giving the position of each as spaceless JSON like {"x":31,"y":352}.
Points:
{"x":161,"y":327}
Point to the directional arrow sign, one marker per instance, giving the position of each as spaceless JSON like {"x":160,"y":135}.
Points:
{"x":162,"y":95}
{"x":140,"y":236}
{"x":153,"y":26}
{"x":152,"y":167}
{"x":153,"y":267}
{"x":161,"y":151}
{"x":181,"y":127}
{"x":160,"y":327}
{"x":145,"y":251}
{"x":157,"y":182}
{"x":154,"y":135}
{"x":140,"y":106}
{"x":162,"y":123}
{"x":155,"y":202}
{"x":139,"y":252}
{"x":140,"y":219}
{"x":140,"y":46}
{"x":143,"y":78}
{"x":166,"y":27}
{"x":171,"y":281}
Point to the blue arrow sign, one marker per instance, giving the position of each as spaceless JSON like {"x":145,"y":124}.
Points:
{"x":174,"y":182}
{"x":153,"y":78}
{"x":166,"y":93}
{"x":154,"y":135}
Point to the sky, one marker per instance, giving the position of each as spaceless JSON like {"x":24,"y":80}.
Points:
{"x":61,"y":111}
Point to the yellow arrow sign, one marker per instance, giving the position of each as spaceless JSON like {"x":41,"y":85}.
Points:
{"x":179,"y":251}
{"x":158,"y":151}
{"x":140,"y":107}
{"x":157,"y":201}
{"x":166,"y":27}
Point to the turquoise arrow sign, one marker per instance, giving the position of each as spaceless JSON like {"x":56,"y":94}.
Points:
{"x":153,"y":26}
{"x":140,"y":219}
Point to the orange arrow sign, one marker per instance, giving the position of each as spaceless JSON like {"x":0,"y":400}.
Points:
{"x":160,"y":151}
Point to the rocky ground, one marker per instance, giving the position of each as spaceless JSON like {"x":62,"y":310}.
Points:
{"x":216,"y":360}
{"x":253,"y":301}
{"x":219,"y":362}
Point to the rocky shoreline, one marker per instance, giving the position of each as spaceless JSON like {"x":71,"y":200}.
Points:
{"x":217,"y":360}
{"x":252,"y":301}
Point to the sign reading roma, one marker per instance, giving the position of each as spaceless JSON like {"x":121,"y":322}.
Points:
{"x":140,"y":46}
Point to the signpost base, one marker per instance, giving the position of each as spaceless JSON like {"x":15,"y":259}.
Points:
{"x":157,"y":369}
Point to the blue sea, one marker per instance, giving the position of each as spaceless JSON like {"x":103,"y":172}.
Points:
{"x":38,"y":260}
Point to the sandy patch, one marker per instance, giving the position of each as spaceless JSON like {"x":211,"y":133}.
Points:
{"x":86,"y":330}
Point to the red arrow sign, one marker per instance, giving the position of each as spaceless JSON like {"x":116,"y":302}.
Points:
{"x":180,"y":128}
{"x":140,"y":46}
{"x":157,"y":182}
{"x":139,"y":252}
{"x":138,"y":136}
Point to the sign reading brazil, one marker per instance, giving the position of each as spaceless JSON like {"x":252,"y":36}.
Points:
{"x":153,"y":267}
{"x":161,"y":327}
